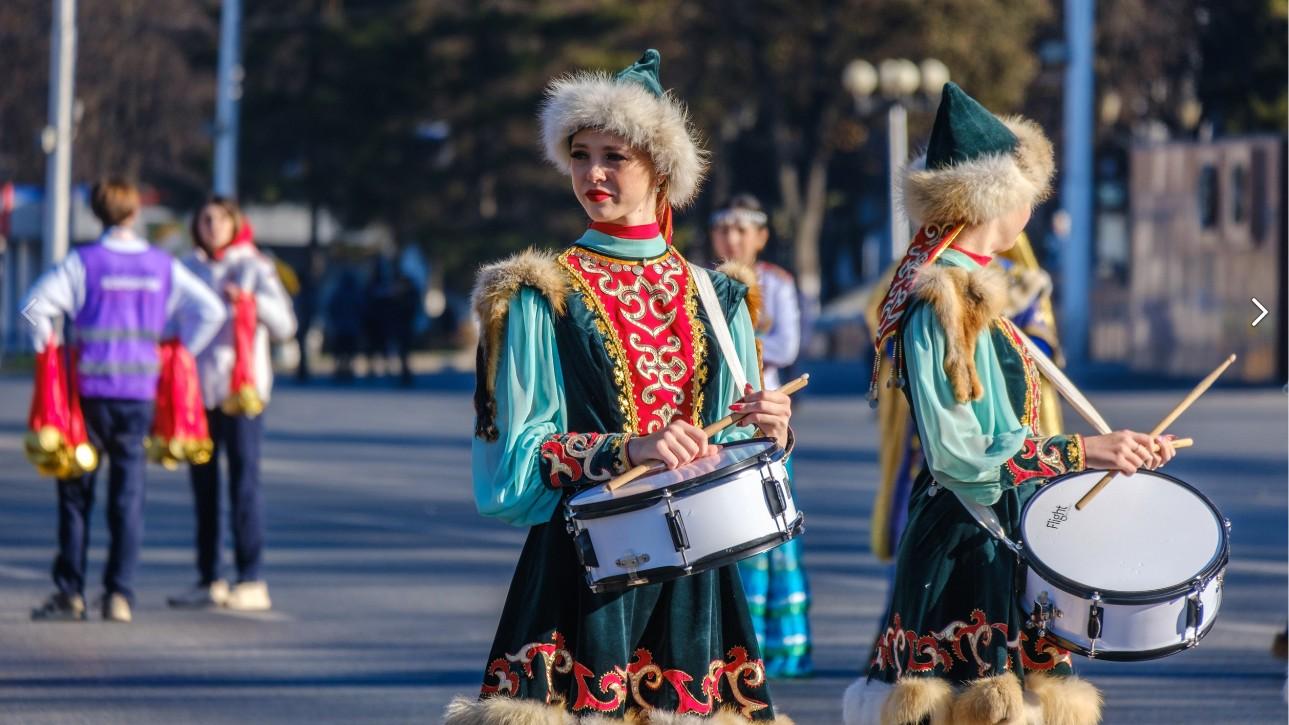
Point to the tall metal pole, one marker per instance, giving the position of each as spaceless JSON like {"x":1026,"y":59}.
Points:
{"x":897,"y":122}
{"x":1076,"y":186}
{"x":57,"y":136}
{"x":227,"y":94}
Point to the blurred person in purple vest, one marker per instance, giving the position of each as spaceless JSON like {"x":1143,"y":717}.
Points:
{"x":119,"y":292}
{"x":226,"y":259}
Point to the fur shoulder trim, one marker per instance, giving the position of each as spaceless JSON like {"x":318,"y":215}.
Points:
{"x":745,"y":276}
{"x":983,"y":188}
{"x":494,"y":287}
{"x":658,"y":126}
{"x":965,"y":301}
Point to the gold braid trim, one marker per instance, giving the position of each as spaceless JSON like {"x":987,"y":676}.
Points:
{"x":617,"y":353}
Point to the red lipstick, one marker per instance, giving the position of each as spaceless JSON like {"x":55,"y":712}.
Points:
{"x":597,"y":195}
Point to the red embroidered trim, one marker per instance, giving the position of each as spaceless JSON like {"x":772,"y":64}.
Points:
{"x":1044,"y":459}
{"x":611,"y":690}
{"x":907,"y":651}
{"x":648,"y":309}
{"x":570,"y":457}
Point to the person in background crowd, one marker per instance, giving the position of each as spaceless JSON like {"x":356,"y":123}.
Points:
{"x":119,"y":292}
{"x":226,"y":260}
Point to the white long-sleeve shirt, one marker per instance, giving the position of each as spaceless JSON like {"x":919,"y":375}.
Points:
{"x":779,"y":329}
{"x":191,"y":309}
{"x":244,"y":266}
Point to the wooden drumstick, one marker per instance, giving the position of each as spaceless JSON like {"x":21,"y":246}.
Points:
{"x":1176,"y":412}
{"x":653,"y":466}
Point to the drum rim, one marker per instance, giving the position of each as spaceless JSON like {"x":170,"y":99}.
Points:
{"x":711,"y":562}
{"x":1110,"y":596}
{"x":1131,"y":655}
{"x":644,"y":499}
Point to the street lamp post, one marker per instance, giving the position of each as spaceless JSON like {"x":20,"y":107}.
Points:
{"x":898,"y":81}
{"x":227,"y":94}
{"x":57,"y":136}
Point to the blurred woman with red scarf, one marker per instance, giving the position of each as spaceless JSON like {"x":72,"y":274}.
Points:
{"x":236,"y":380}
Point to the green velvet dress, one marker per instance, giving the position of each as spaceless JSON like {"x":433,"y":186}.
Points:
{"x":954,"y":610}
{"x":628,"y":352}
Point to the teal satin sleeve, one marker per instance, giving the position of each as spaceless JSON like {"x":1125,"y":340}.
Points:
{"x":530,"y":407}
{"x":744,"y":337}
{"x":965,"y":443}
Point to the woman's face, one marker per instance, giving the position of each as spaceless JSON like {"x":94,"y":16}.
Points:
{"x":739,"y":242}
{"x":1011,"y":225}
{"x":215,"y":226}
{"x":614,"y":182}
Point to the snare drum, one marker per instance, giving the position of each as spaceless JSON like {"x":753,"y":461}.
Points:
{"x":703,"y":515}
{"x":1135,"y":575}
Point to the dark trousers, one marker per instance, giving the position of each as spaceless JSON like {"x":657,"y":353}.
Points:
{"x":117,"y":429}
{"x":238,"y":437}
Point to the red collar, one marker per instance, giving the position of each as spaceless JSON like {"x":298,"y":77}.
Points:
{"x":643,"y":231}
{"x":980,"y":259}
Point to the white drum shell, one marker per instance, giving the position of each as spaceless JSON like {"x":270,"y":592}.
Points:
{"x":1140,"y":629}
{"x":720,"y":518}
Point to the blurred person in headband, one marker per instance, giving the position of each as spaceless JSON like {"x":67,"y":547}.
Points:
{"x":119,"y":292}
{"x":778,"y":591}
{"x":578,"y":381}
{"x":236,"y":383}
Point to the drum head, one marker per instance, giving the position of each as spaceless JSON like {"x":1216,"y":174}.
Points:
{"x":1144,"y":533}
{"x":732,"y":457}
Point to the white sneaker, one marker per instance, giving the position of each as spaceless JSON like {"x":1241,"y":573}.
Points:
{"x":201,"y":597}
{"x":249,"y":597}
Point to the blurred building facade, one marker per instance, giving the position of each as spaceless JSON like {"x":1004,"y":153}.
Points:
{"x":1201,"y":231}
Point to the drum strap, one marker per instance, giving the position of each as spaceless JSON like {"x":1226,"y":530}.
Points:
{"x":988,"y":520}
{"x":1064,"y":386}
{"x":715,"y":315}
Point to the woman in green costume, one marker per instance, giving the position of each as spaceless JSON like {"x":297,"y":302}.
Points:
{"x":955,"y":648}
{"x":591,"y":360}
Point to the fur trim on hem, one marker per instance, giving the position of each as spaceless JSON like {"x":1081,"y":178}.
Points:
{"x":983,"y":188}
{"x":513,"y":711}
{"x":494,"y":287}
{"x":1065,"y":700}
{"x":991,"y":701}
{"x":965,"y":301}
{"x":910,"y":701}
{"x":658,"y":126}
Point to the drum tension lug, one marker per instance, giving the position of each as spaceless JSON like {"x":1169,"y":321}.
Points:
{"x":1194,"y":613}
{"x":774,"y":498}
{"x":585,"y":549}
{"x":676,"y":525}
{"x":1041,"y":613}
{"x":1095,"y":620}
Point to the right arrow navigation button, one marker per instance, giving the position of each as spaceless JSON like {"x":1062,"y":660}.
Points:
{"x":1263,"y":314}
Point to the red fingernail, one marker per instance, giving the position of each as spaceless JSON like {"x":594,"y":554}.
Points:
{"x":736,"y":406}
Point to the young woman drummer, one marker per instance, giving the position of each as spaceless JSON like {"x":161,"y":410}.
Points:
{"x":955,"y":648}
{"x":591,"y":360}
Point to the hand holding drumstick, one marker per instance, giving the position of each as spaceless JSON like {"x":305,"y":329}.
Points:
{"x":1168,"y":420}
{"x":679,"y":443}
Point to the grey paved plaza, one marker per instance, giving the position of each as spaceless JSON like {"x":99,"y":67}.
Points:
{"x":387,"y":585}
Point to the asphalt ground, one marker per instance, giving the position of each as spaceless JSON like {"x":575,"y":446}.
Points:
{"x":387,"y":585}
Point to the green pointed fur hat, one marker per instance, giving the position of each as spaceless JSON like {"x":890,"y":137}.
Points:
{"x":977,"y":166}
{"x":633,"y":104}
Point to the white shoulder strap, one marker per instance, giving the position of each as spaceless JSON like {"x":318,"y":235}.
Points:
{"x":707,"y":294}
